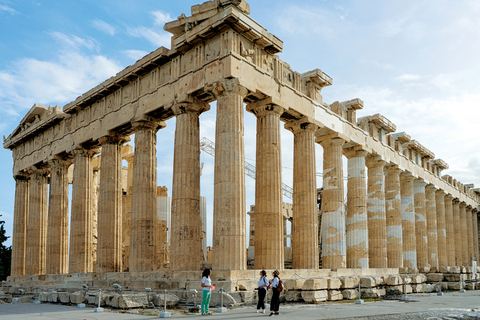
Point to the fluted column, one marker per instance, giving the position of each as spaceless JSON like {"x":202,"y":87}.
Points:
{"x":421,"y":233}
{"x":408,"y":221}
{"x":441,"y":228}
{"x":37,"y":223}
{"x":458,"y":229}
{"x":464,"y":232}
{"x":305,"y":212}
{"x":357,"y":219}
{"x":186,"y":237}
{"x":475,"y":233}
{"x":143,"y":223}
{"x":393,"y":206}
{"x":470,"y":232}
{"x":268,"y":189}
{"x":229,"y":221}
{"x":377,"y":225}
{"x":432,"y":239}
{"x":57,"y":235}
{"x":449,"y":226}
{"x":81,"y":230}
{"x":333,"y":216}
{"x":109,"y":247}
{"x":20,"y":218}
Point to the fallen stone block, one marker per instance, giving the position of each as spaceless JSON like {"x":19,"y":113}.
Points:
{"x":368,"y":282}
{"x":64,"y":297}
{"x":350,"y":294}
{"x":228,"y":300}
{"x":434,"y":277}
{"x":315,"y":284}
{"x":349,"y":282}
{"x":77,"y":297}
{"x":293,"y":296}
{"x":334,"y":283}
{"x":419,"y":288}
{"x":393,"y":280}
{"x":371,"y":293}
{"x":334,"y":295}
{"x":294,"y":284}
{"x":315,"y":296}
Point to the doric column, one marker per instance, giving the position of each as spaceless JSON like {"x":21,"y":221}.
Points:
{"x":393,"y":206}
{"x":449,"y":226}
{"x":20,"y":218}
{"x":268,"y":188}
{"x":37,"y":223}
{"x":229,"y":221}
{"x":464,"y":232}
{"x":421,"y":233}
{"x":470,"y":232}
{"x":109,"y":247}
{"x":377,"y":225}
{"x":57,"y":235}
{"x":357,"y":219}
{"x":143,"y":223}
{"x":458,"y":229}
{"x":431,"y":208}
{"x":305,"y":212}
{"x":408,"y":221}
{"x":333,"y":207}
{"x":475,"y":233}
{"x":81,"y":230}
{"x":186,"y":237}
{"x":441,"y":228}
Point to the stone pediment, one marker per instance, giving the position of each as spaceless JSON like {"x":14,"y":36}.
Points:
{"x":37,"y":119}
{"x":212,"y":16}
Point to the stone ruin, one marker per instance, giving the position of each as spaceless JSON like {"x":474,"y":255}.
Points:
{"x":405,"y":226}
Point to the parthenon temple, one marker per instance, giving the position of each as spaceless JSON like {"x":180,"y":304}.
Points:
{"x":398,"y":214}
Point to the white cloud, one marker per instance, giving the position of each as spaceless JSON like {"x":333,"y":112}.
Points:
{"x":315,"y":21}
{"x":161,"y":18}
{"x":55,"y":81}
{"x":157,"y":39}
{"x":4,"y":7}
{"x":72,"y":42}
{"x":135,"y":54}
{"x":103,"y":27}
{"x":408,"y":77}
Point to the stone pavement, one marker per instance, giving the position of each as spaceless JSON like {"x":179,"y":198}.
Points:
{"x":452,"y":305}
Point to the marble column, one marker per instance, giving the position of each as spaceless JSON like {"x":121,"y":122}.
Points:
{"x":143,"y":223}
{"x":357,"y":219}
{"x":37,"y":223}
{"x":464,"y":232}
{"x":470,"y":239}
{"x":441,"y":229}
{"x":229,"y":221}
{"x":457,"y":222}
{"x":334,"y":247}
{"x":475,"y":233}
{"x":305,"y":212}
{"x":408,"y":221}
{"x":57,"y":234}
{"x":109,"y":245}
{"x":421,"y":232}
{"x":186,"y":237}
{"x":431,"y":214}
{"x":81,"y":230}
{"x":393,"y":206}
{"x":20,"y":218}
{"x":377,"y":224}
{"x":449,"y":226}
{"x":268,"y":189}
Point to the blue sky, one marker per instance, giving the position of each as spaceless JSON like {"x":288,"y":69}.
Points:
{"x":414,"y":61}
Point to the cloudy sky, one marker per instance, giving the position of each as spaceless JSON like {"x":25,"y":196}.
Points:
{"x":414,"y":61}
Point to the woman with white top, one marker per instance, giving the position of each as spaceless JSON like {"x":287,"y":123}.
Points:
{"x":206,"y":292}
{"x":262,"y":291}
{"x":275,"y":302}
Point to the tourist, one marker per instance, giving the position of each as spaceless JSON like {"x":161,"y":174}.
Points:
{"x":275,"y":302}
{"x":262,"y":291}
{"x":206,"y":292}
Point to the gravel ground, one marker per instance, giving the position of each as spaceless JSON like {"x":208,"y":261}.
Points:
{"x":447,"y":314}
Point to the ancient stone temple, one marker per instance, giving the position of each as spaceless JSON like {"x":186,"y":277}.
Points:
{"x":401,"y":215}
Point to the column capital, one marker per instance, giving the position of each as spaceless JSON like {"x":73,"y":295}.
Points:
{"x":449,"y":197}
{"x":299,"y":126}
{"x":462,"y":204}
{"x":456,"y":201}
{"x":420,"y":181}
{"x":43,"y":171}
{"x":191,"y":105}
{"x":87,"y":152}
{"x":430,"y":187}
{"x":113,"y":138}
{"x":475,"y":210}
{"x":374,"y":161}
{"x":220,"y":88}
{"x":147,"y":123}
{"x":60,"y":161}
{"x":21,"y":176}
{"x":392,"y":169}
{"x":262,"y":108}
{"x":407,"y":176}
{"x":355,"y":152}
{"x":331,"y":139}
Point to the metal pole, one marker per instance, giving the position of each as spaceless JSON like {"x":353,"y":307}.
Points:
{"x":99,"y":297}
{"x":165,"y":301}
